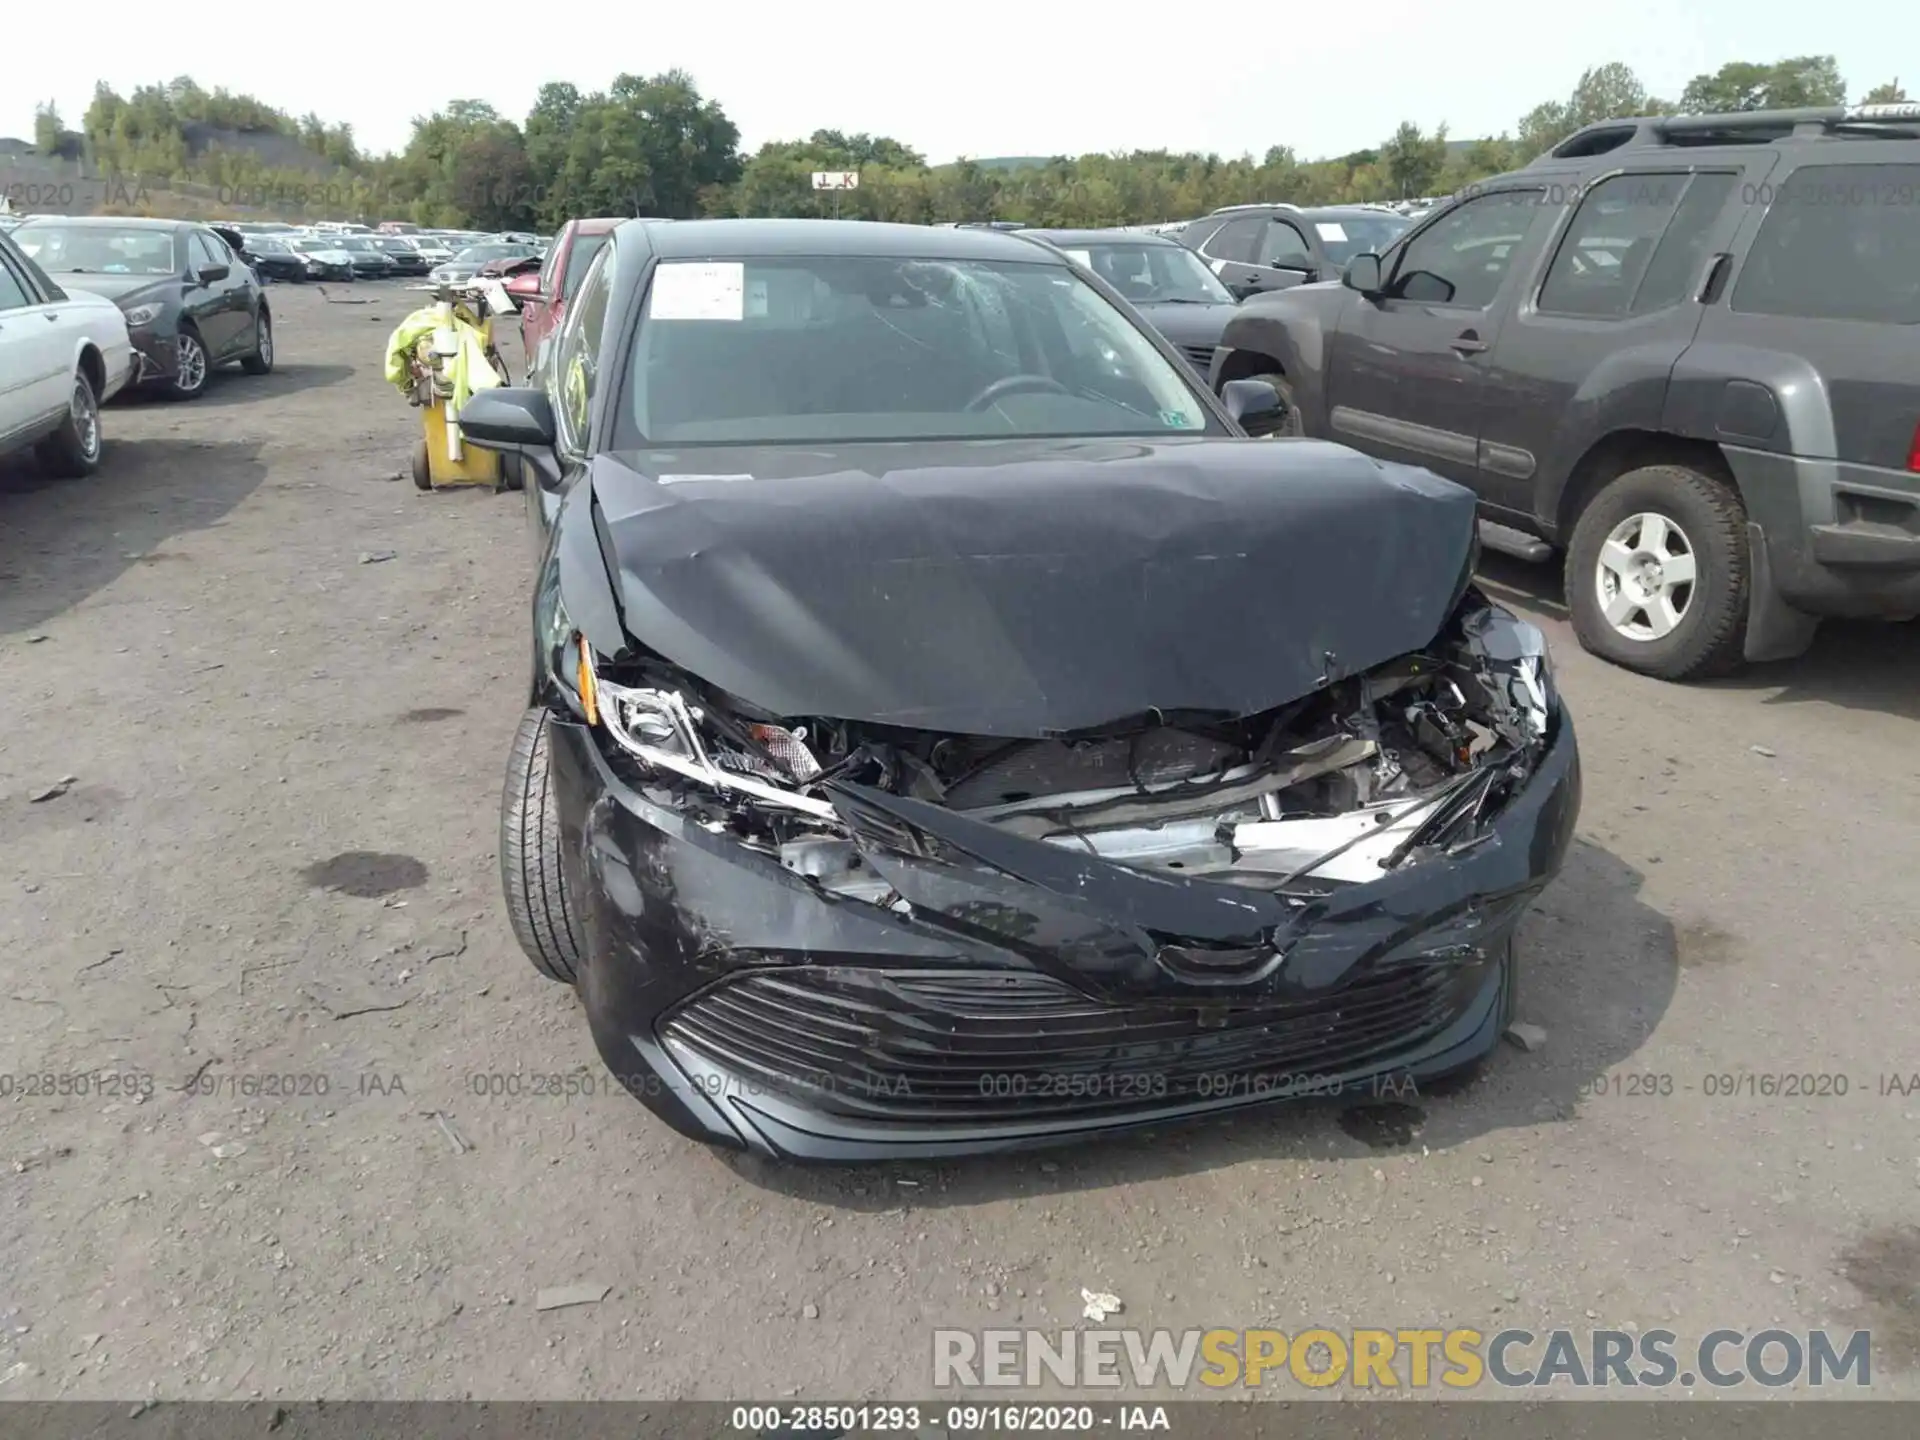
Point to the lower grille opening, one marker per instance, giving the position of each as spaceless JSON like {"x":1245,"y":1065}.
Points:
{"x":973,"y":1046}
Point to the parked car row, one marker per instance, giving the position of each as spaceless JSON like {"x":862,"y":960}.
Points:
{"x":339,"y":250}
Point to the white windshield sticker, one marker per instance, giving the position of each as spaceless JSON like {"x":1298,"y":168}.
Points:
{"x":1081,"y":257}
{"x":1331,"y":231}
{"x":713,"y":291}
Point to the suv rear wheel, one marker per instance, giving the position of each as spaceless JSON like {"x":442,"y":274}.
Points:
{"x":1657,"y":573}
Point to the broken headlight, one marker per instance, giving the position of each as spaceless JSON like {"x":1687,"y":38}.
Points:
{"x":664,"y":731}
{"x":1515,"y":670}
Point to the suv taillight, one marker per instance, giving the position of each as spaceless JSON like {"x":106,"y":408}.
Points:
{"x":1913,"y":454}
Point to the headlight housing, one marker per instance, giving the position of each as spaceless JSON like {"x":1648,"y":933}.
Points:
{"x":1508,"y":660}
{"x":666,"y":732}
{"x":144,"y":314}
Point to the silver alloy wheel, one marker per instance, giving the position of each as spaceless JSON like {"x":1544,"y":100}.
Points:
{"x":193,"y":363}
{"x":86,"y":418}
{"x":265,"y":322}
{"x":1646,"y":576}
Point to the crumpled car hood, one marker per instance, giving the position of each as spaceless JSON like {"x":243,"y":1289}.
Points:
{"x":1029,"y":588}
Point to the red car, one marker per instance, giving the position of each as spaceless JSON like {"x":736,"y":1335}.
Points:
{"x":543,"y":296}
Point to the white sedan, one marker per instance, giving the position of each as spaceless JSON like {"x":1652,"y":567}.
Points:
{"x":62,"y":356}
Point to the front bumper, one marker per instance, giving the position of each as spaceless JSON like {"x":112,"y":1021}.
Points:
{"x":748,"y":1008}
{"x":156,"y":356}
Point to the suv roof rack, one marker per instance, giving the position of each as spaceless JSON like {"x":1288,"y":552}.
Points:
{"x":1254,"y":205}
{"x":1743,"y":127}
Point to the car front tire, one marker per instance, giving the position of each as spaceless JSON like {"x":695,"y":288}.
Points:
{"x":192,"y":366}
{"x":1658,"y":573}
{"x":531,"y":876}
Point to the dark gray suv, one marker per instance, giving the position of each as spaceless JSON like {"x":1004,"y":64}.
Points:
{"x":1682,"y":350}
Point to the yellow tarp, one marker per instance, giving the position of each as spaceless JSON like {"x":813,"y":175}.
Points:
{"x":467,"y":368}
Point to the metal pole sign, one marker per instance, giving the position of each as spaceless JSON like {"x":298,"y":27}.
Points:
{"x":836,"y":181}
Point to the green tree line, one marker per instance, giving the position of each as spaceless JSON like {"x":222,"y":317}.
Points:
{"x":653,"y":145}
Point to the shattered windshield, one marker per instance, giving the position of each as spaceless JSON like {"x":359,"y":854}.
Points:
{"x":849,"y":348}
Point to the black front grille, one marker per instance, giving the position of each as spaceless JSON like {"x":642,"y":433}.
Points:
{"x":1200,"y":357}
{"x":963,"y":1046}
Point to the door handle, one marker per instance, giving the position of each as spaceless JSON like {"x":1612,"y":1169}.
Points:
{"x":51,"y":316}
{"x":1468,"y":344}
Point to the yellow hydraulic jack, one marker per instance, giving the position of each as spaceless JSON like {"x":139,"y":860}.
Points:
{"x":442,"y":459}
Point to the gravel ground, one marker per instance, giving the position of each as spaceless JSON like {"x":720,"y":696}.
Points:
{"x":275,"y":858}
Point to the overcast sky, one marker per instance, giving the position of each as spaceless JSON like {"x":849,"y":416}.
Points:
{"x":990,"y":77}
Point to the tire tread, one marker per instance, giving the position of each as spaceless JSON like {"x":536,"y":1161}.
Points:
{"x":59,"y":454}
{"x":531,"y":875}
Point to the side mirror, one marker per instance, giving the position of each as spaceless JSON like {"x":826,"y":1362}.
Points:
{"x":510,"y":418}
{"x":207,"y":274}
{"x":526,"y":286}
{"x":1251,"y":400}
{"x":1363,"y":274}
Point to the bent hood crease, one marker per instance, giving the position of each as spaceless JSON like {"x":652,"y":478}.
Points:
{"x":1026,"y":588}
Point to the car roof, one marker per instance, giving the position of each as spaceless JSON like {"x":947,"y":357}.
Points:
{"x":693,"y":239}
{"x":599,"y":224}
{"x":1331,"y":212}
{"x":126,"y":222}
{"x":1102,"y":237}
{"x":1739,"y":130}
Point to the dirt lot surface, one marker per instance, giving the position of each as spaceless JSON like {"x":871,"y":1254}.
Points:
{"x":273,"y":870}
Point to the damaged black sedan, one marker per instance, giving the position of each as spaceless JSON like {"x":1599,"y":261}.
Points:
{"x":948,"y":732}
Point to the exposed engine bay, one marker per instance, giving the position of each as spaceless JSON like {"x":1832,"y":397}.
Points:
{"x":1392,"y":767}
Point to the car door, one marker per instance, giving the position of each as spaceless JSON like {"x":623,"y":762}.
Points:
{"x":1232,"y":250}
{"x":538,"y":316}
{"x":45,"y":327}
{"x":1284,"y":258}
{"x":237,"y":290}
{"x":1407,"y":368}
{"x":32,"y":377}
{"x":570,"y":382}
{"x":1588,"y":349}
{"x":209,"y":302}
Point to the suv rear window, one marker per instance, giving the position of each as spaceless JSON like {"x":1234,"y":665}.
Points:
{"x":1840,"y":242}
{"x":1637,"y":244}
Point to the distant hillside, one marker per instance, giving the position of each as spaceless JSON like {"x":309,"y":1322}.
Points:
{"x":275,"y":151}
{"x":1456,"y":150}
